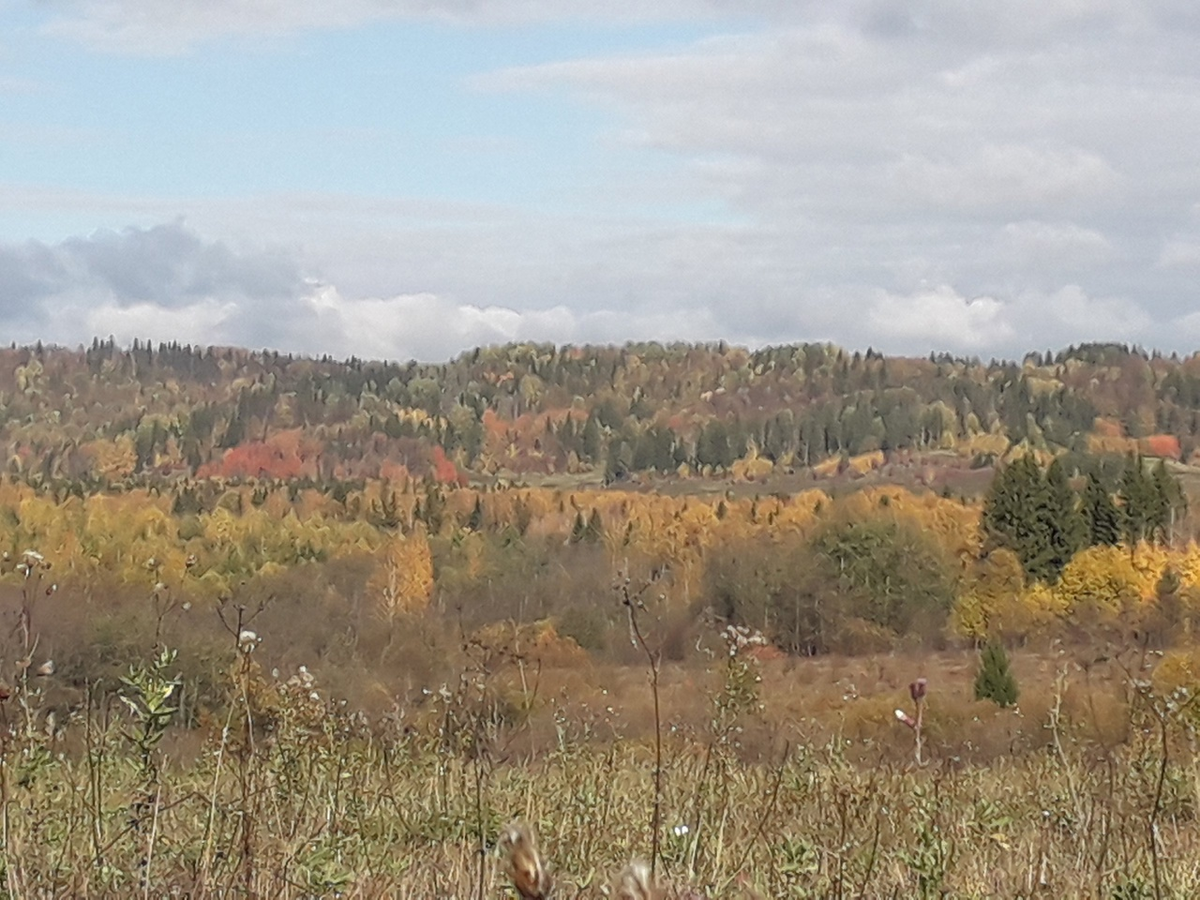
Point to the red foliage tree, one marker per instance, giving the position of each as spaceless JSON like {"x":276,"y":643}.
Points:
{"x":444,"y":470}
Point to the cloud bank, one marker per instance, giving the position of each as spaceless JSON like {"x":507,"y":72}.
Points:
{"x":168,"y":283}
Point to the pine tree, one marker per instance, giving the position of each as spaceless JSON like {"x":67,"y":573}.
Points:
{"x":994,"y":681}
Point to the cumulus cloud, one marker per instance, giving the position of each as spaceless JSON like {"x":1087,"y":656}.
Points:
{"x":428,"y":327}
{"x":167,"y":282}
{"x":138,"y":275}
{"x":940,"y":315}
{"x":943,"y":317}
{"x":1031,"y":242}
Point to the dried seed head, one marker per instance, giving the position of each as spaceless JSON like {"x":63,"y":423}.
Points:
{"x":523,"y":863}
{"x":634,"y":883}
{"x":917,"y":690}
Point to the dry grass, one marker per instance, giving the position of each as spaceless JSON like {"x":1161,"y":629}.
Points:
{"x":293,"y":796}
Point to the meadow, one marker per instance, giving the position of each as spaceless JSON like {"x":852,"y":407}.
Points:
{"x":776,"y":778}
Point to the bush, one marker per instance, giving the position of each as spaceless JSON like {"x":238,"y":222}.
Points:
{"x":995,"y":681}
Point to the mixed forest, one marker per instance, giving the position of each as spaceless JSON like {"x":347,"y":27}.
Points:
{"x":232,"y":580}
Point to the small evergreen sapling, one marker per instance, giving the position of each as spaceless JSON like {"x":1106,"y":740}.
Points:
{"x":994,"y":681}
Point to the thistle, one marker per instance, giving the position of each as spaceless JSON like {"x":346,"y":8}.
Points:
{"x":916,"y":690}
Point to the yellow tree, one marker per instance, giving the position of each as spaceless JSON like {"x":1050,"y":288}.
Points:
{"x":990,"y":605}
{"x":1100,"y":583}
{"x":402,"y":581}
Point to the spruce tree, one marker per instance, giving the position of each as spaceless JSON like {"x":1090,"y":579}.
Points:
{"x":1064,"y":524}
{"x":994,"y":681}
{"x":1015,"y":516}
{"x":475,"y":520}
{"x":1137,"y":501}
{"x":1102,"y":518}
{"x":1167,"y":499}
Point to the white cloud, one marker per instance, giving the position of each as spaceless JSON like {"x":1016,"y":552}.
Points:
{"x":1180,"y":253}
{"x":1048,"y":243}
{"x":169,"y":283}
{"x":205,"y":323}
{"x":428,"y":327}
{"x":944,"y":318}
{"x":1069,"y":314}
{"x":938,"y":317}
{"x":999,"y":177}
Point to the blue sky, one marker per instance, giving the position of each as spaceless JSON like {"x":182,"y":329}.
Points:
{"x":410,"y":178}
{"x":386,"y":109}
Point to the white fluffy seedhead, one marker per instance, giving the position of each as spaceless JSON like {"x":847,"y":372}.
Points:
{"x":522,"y":862}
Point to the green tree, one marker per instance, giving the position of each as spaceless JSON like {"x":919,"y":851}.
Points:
{"x":1138,"y":501}
{"x":1065,"y":526}
{"x":1101,"y":517}
{"x":713,"y":446}
{"x":994,"y":681}
{"x":888,"y":574}
{"x":1016,"y":516}
{"x":475,"y":519}
{"x":592,"y":440}
{"x":1167,"y":501}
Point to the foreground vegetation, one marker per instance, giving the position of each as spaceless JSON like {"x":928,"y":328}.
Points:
{"x":775,"y":782}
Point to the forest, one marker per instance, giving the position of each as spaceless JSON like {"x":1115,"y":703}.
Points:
{"x":104,"y":414}
{"x":717,"y":571}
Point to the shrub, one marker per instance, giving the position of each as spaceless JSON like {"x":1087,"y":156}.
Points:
{"x":994,"y":680}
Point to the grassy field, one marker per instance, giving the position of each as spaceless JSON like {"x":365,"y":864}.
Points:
{"x":785,"y":778}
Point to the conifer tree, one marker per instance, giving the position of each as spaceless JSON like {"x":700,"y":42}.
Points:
{"x":475,"y":519}
{"x":1167,"y":500}
{"x":1015,"y":516}
{"x":1064,"y":524}
{"x":1101,"y":516}
{"x":1136,"y":500}
{"x":994,"y":681}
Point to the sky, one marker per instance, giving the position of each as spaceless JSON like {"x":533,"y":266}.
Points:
{"x":408,"y":179}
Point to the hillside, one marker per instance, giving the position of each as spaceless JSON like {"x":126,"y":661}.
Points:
{"x":106,"y":415}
